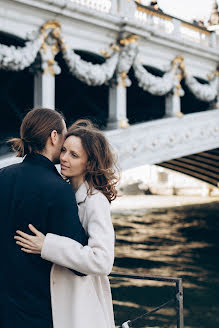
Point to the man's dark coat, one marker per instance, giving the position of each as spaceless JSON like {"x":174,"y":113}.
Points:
{"x":31,"y":192}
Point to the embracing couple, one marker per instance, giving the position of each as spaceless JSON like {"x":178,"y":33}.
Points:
{"x":57,"y":238}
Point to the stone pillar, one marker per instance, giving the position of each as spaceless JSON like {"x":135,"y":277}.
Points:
{"x":117,"y":107}
{"x":172,"y":100}
{"x":44,"y":90}
{"x":44,"y":80}
{"x":173,"y":105}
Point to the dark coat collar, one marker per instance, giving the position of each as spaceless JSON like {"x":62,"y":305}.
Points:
{"x":38,"y":159}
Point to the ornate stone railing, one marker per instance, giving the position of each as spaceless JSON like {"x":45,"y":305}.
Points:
{"x":171,"y":25}
{"x":194,"y":33}
{"x":165,"y":139}
{"x":99,"y":5}
{"x":155,"y":19}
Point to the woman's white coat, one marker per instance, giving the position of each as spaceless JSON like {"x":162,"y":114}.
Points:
{"x":83,"y":302}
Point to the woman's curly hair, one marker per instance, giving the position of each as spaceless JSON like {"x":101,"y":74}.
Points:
{"x":102,"y":172}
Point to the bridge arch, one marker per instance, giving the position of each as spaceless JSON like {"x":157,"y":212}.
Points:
{"x":203,"y":166}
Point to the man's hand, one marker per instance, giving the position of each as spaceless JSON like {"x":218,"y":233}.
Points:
{"x":30,"y":244}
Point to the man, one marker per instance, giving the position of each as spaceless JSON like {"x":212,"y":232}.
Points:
{"x":33,"y":192}
{"x":155,"y":6}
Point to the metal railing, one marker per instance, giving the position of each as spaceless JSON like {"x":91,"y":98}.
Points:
{"x":178,"y":300}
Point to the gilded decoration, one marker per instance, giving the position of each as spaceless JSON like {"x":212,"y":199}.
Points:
{"x":128,"y":51}
{"x":178,"y":67}
{"x":130,"y":39}
{"x":123,"y":124}
{"x":196,"y":28}
{"x":119,"y":58}
{"x":151,"y":12}
{"x":51,"y":32}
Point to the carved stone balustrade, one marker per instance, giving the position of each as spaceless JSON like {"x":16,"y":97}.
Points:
{"x":99,"y":5}
{"x":170,"y":25}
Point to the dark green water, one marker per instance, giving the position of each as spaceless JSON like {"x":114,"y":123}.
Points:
{"x":178,"y":242}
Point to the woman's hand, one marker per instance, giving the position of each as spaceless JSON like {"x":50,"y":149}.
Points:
{"x":30,"y":244}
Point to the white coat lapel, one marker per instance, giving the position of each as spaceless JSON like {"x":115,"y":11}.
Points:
{"x":81,"y":193}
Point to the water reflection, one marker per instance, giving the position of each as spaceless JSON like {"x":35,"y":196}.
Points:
{"x":180,"y":242}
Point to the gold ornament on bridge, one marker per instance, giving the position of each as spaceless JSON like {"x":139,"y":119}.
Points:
{"x":52,"y":24}
{"x":123,"y":124}
{"x":105,"y":54}
{"x":123,"y":77}
{"x":179,"y":114}
{"x":130,"y":39}
{"x":51,"y":44}
{"x":178,"y":67}
{"x":113,"y":47}
{"x":51,"y":28}
{"x":211,"y":76}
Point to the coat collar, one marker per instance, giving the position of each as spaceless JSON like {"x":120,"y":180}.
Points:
{"x":38,"y":159}
{"x":81,"y":193}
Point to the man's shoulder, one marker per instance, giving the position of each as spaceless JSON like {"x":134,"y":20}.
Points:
{"x":60,"y":183}
{"x":58,"y":187}
{"x":39,"y":175}
{"x":10,"y":169}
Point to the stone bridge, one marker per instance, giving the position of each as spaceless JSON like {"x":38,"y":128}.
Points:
{"x":148,"y":79}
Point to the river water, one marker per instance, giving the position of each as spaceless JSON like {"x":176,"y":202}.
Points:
{"x":178,"y":242}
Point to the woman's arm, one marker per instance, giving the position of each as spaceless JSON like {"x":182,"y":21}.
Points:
{"x":97,"y":257}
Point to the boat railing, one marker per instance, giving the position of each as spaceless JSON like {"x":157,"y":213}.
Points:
{"x":177,"y":300}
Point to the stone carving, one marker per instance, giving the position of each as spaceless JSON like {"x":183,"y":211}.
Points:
{"x":122,"y":56}
{"x":204,"y":92}
{"x":156,"y":85}
{"x":178,"y":68}
{"x":17,"y":59}
{"x":52,"y":42}
{"x":91,"y":74}
{"x":100,"y":5}
{"x":128,"y":51}
{"x":214,"y":17}
{"x":119,"y":61}
{"x":47,"y":43}
{"x":153,"y":142}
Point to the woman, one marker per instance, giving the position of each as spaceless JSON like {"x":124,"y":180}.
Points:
{"x":80,"y":302}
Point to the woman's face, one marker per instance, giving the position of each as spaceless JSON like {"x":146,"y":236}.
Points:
{"x":73,"y":158}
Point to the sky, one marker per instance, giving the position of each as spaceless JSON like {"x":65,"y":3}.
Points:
{"x":187,"y":9}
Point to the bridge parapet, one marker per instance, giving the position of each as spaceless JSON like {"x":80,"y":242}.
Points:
{"x":116,"y":12}
{"x":162,"y":140}
{"x":159,"y":141}
{"x":158,"y":20}
{"x":172,"y":25}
